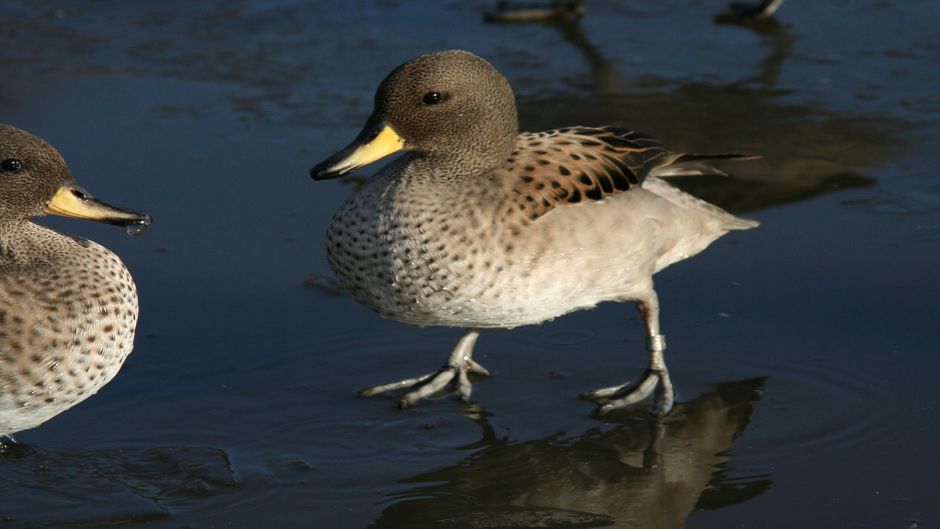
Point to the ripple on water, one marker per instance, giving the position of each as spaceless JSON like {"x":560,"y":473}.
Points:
{"x":568,"y":337}
{"x":907,"y":203}
{"x":816,"y":407}
{"x":55,"y":489}
{"x":362,"y":430}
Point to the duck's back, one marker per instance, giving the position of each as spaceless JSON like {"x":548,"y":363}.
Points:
{"x":68,"y":311}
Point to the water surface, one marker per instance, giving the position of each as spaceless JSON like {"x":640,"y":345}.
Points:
{"x":804,"y":352}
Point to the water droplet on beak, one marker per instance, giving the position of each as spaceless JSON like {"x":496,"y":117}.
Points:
{"x":137,"y":227}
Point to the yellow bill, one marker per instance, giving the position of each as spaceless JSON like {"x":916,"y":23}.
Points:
{"x":371,"y":145}
{"x":73,"y":201}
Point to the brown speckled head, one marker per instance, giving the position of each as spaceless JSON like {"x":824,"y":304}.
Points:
{"x":34,"y":180}
{"x":449,"y":100}
{"x":451,"y":105}
{"x":31,"y":172}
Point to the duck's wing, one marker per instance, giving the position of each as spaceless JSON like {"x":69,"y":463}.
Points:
{"x":582,"y":164}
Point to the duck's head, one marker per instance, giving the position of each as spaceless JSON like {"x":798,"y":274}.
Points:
{"x":35,"y":180}
{"x":451,"y":104}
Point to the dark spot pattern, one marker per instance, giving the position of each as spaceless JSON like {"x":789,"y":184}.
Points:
{"x":586,"y":164}
{"x":73,"y":300}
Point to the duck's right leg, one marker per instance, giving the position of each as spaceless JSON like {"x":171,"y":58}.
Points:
{"x":657,"y":375}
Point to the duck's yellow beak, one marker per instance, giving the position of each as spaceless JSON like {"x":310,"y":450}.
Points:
{"x":71,"y":200}
{"x":373,"y":143}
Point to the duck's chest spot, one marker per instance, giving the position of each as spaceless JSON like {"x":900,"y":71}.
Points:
{"x":68,"y":326}
{"x":413,"y":257}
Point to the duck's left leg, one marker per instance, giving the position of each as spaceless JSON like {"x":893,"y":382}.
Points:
{"x":454,"y":373}
{"x":656,"y":382}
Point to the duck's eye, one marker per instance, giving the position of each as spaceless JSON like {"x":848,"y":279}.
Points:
{"x":11,"y":165}
{"x":432,"y":98}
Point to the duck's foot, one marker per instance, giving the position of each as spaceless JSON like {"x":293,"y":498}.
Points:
{"x":454,"y":374}
{"x":656,"y":384}
{"x":536,"y":11}
{"x":762,"y":10}
{"x":451,"y":375}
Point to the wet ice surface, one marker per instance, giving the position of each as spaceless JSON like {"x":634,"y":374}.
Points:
{"x":804,"y":351}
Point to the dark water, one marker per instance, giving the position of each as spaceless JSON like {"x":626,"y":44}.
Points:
{"x":805,"y":352}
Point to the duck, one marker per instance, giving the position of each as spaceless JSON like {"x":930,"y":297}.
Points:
{"x":478,"y":225}
{"x":68,"y":305}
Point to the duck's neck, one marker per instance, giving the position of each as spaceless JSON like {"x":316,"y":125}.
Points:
{"x":448,"y":181}
{"x":26,"y":241}
{"x":10,"y":232}
{"x":11,"y":241}
{"x":462,"y":165}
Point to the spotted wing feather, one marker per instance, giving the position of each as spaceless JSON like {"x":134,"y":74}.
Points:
{"x":572,"y":165}
{"x":578,"y":164}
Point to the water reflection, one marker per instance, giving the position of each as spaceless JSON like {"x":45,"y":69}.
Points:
{"x":535,"y":12}
{"x":806,"y":150}
{"x":641,"y":473}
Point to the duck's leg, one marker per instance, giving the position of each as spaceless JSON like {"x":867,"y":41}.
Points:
{"x":459,"y":365}
{"x":759,"y":11}
{"x":656,"y":381}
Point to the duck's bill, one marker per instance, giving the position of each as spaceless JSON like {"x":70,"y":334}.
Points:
{"x":73,"y":201}
{"x":373,"y":143}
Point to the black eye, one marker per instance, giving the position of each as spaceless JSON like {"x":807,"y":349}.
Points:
{"x":432,"y":98}
{"x":11,"y":165}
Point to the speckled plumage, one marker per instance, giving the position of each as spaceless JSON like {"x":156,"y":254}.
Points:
{"x":479,"y":226}
{"x":68,"y":306}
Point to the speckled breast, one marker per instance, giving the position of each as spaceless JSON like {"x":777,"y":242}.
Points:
{"x":413,"y":257}
{"x":66,"y":328}
{"x":427,"y":258}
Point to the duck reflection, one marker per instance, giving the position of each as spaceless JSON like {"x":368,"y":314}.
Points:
{"x":806,"y":150}
{"x":641,"y":473}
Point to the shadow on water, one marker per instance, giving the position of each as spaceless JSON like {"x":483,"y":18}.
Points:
{"x":806,"y":152}
{"x":641,"y":473}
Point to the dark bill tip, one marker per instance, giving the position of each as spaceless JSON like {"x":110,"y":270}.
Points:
{"x":324,"y":170}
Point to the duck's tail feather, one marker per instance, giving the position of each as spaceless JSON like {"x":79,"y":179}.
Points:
{"x":691,"y":164}
{"x":726,"y":220}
